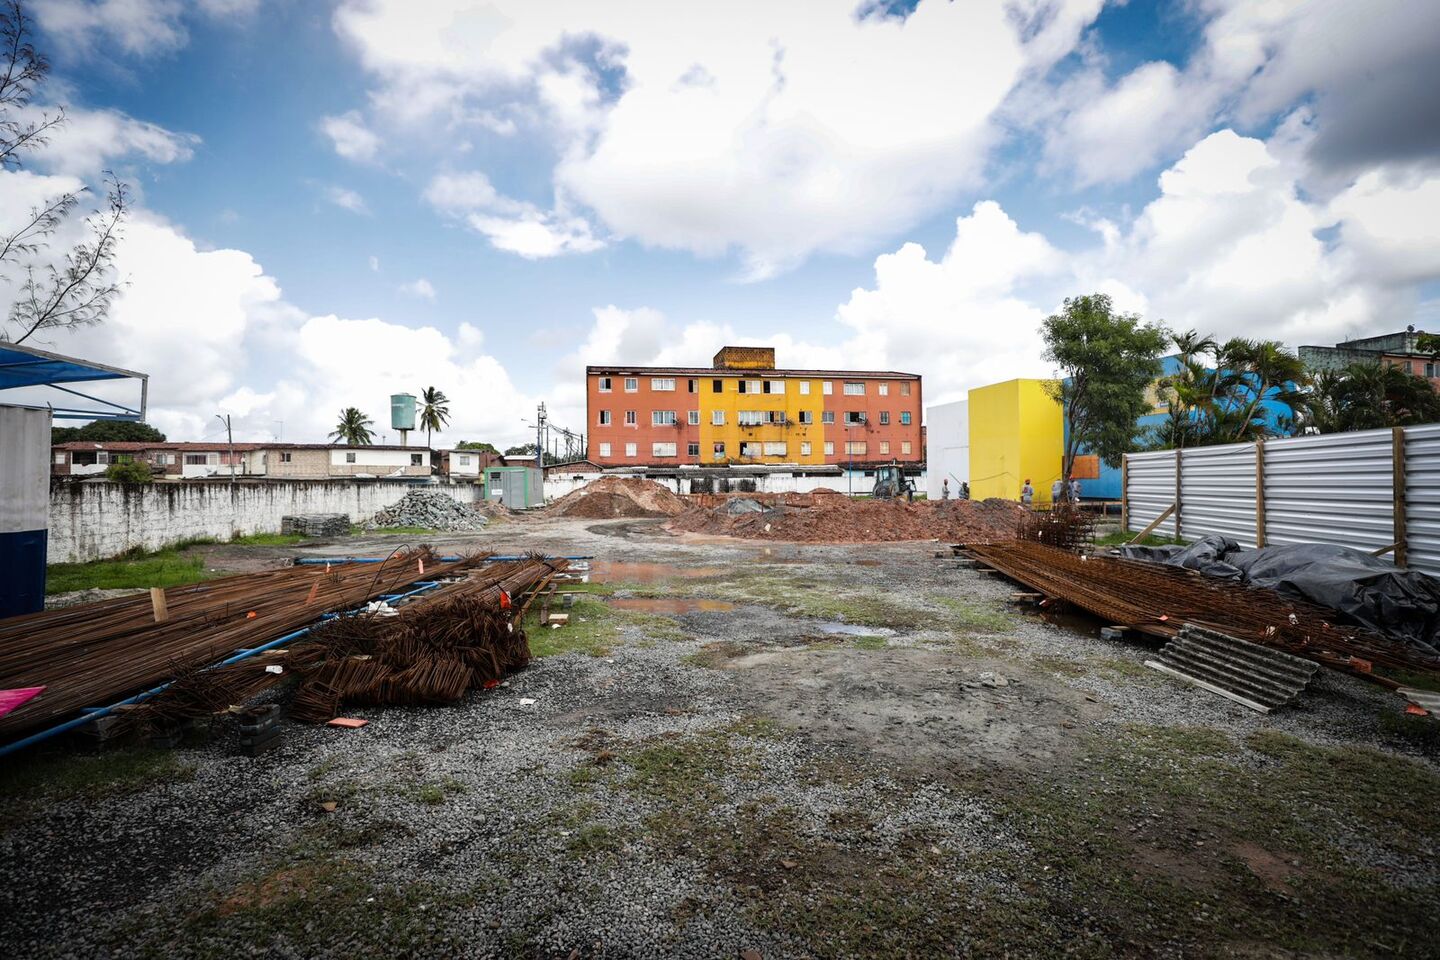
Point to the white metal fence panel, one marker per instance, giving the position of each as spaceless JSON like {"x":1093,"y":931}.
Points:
{"x":1422,"y":497}
{"x":1336,"y":488}
{"x":1217,"y":492}
{"x":1149,"y":489}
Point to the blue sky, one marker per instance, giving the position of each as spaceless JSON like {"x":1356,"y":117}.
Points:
{"x":340,"y":200}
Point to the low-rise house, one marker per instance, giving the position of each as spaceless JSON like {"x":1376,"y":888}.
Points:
{"x":174,"y":460}
{"x":467,"y":464}
{"x":321,"y":461}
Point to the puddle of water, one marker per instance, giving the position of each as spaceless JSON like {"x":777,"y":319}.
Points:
{"x":1073,"y":620}
{"x":624,"y":571}
{"x":670,"y":605}
{"x":855,"y":630}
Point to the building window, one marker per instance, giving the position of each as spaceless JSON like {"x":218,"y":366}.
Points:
{"x":718,"y":452}
{"x":1430,"y":371}
{"x":883,"y":389}
{"x":631,"y":384}
{"x":417,"y":459}
{"x":905,"y":389}
{"x":804,"y":388}
{"x":754,"y":386}
{"x":854,"y":388}
{"x":349,"y":458}
{"x":662,"y":449}
{"x":855,"y":448}
{"x":905,"y":447}
{"x":827,"y":416}
{"x":885,"y":447}
{"x":693,"y":451}
{"x":748,"y":450}
{"x":854,"y":418}
{"x":662,"y":384}
{"x":807,"y":416}
{"x":604,"y":384}
{"x":827,"y":388}
{"x":694,"y":385}
{"x":662,"y":418}
{"x":604,"y":418}
{"x":774,"y":386}
{"x":287,"y":456}
{"x":750,"y":418}
{"x":694,"y":418}
{"x":717,"y":386}
{"x":775,"y":449}
{"x":804,"y":448}
{"x":604,"y":449}
{"x":630,"y":419}
{"x":60,"y":458}
{"x":198,"y":459}
{"x":884,"y":418}
{"x":829,"y":448}
{"x":630,"y":449}
{"x":905,"y":418}
{"x":463,"y":461}
{"x":776,"y":416}
{"x":717,"y":418}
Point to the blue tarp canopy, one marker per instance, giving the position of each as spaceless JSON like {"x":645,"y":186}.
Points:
{"x":29,"y":367}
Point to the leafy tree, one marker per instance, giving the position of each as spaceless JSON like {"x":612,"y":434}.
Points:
{"x":1368,"y":395}
{"x":1218,"y":392}
{"x":435,"y":413}
{"x":1429,"y":343}
{"x":109,"y":431}
{"x":528,"y":450}
{"x":480,"y":446}
{"x":130,"y":471}
{"x":353,"y":428}
{"x":1108,"y":361}
{"x":52,"y":293}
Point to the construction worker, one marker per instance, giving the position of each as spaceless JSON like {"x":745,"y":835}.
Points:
{"x":1057,"y":491}
{"x":1027,"y":493}
{"x":945,"y":489}
{"x":1074,"y":490}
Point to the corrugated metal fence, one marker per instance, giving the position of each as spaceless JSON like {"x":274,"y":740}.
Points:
{"x":1337,"y":488}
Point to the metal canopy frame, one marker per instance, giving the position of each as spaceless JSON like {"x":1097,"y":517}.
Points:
{"x":31,"y":367}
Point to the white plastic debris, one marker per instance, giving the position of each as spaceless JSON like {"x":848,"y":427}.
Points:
{"x":274,"y":668}
{"x":526,"y":701}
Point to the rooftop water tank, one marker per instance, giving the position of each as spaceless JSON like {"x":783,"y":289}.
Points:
{"x":402,"y":411}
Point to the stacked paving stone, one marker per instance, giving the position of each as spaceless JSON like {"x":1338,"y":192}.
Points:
{"x":428,"y":509}
{"x":316,"y":524}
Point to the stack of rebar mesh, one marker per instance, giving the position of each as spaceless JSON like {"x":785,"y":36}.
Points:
{"x":1160,"y":600}
{"x":1065,"y":526}
{"x":92,"y":654}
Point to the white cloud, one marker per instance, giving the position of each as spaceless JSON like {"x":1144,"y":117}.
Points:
{"x":374,"y":264}
{"x":419,"y":288}
{"x":138,"y":27}
{"x":345,"y":199}
{"x":758,"y":133}
{"x":90,"y":141}
{"x":509,"y":225}
{"x":351,"y":138}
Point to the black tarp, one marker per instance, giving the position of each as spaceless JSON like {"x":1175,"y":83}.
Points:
{"x":1365,"y":590}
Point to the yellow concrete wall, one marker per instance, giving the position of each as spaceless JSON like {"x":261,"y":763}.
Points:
{"x":792,"y":402}
{"x":1016,"y":433}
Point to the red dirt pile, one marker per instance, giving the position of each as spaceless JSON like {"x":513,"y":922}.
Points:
{"x":619,"y":497}
{"x":826,"y":517}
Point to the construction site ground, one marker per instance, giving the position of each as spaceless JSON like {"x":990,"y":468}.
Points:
{"x":801,"y":750}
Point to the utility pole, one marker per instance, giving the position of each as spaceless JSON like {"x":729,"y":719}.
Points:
{"x":540,"y":436}
{"x":229,"y":439}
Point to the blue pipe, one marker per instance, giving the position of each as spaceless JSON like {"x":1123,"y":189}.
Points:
{"x":95,"y":713}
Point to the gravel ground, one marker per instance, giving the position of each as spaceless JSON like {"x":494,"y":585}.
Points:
{"x":967,"y":780}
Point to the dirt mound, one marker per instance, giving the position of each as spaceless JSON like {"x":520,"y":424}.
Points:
{"x":619,"y":497}
{"x":830,"y":518}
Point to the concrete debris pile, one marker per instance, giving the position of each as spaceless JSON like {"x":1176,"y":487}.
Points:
{"x":827,"y":517}
{"x":316,"y":524}
{"x":431,"y":510}
{"x":620,"y":497}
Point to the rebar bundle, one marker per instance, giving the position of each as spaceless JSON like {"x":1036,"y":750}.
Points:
{"x":93,"y":654}
{"x":1065,"y":526}
{"x":1160,"y":600}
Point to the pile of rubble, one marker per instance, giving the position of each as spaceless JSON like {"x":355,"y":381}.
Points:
{"x":431,"y":510}
{"x":620,"y":497}
{"x":827,"y":517}
{"x":316,"y":524}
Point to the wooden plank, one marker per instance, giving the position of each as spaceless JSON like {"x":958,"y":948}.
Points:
{"x":1154,"y":523}
{"x":1397,"y":455}
{"x":1259,"y":493}
{"x":157,"y":604}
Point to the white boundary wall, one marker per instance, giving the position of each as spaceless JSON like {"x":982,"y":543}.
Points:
{"x":1337,"y":488}
{"x":94,"y":520}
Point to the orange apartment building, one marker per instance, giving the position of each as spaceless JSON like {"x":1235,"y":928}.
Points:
{"x":743,"y":410}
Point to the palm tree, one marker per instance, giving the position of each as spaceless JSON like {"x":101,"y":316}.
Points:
{"x":353,"y":428}
{"x":435,"y":413}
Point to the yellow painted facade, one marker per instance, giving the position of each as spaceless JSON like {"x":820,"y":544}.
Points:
{"x":793,"y":433}
{"x":1016,"y":432}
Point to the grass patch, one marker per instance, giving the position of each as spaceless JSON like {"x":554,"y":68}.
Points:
{"x":803,"y":597}
{"x":267,"y":539}
{"x":170,"y":567}
{"x":871,"y":643}
{"x":434,"y":794}
{"x":593,"y":629}
{"x":1119,"y":538}
{"x":974,"y":617}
